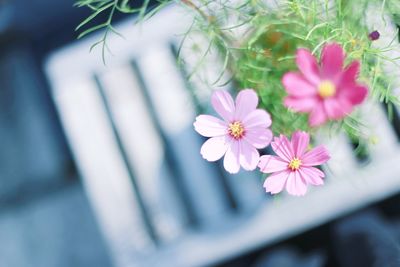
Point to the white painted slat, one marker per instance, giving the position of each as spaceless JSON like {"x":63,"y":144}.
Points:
{"x":158,"y":29}
{"x":101,"y":166}
{"x":145,"y":151}
{"x":379,"y":128}
{"x":343,"y":159}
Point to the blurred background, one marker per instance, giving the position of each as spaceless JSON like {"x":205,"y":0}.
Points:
{"x":100,"y":166}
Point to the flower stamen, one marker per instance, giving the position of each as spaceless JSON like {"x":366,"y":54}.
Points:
{"x":326,"y":89}
{"x":294,"y":164}
{"x":236,"y":130}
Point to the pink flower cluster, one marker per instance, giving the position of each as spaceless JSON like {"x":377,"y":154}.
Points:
{"x":327,"y":91}
{"x":244,"y":129}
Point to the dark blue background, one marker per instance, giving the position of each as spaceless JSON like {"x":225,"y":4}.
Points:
{"x":45,"y":216}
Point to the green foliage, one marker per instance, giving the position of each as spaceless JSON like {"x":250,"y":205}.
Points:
{"x":265,"y":48}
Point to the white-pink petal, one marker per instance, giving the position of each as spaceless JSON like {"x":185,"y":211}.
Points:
{"x":257,"y":118}
{"x":214,"y":148}
{"x":258,"y":137}
{"x":246,"y":102}
{"x":275,"y":183}
{"x":282,"y":148}
{"x":312,"y":175}
{"x":210,"y":126}
{"x":249,"y":156}
{"x":223,"y":104}
{"x":231,"y":159}
{"x":270,"y":164}
{"x":300,"y":141}
{"x":315,"y":156}
{"x":295,"y":184}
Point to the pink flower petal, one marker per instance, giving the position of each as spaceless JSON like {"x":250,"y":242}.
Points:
{"x":308,"y":65}
{"x":275,"y":183}
{"x":231,"y":159}
{"x":349,"y":75}
{"x":295,"y":184}
{"x":317,"y":115}
{"x":348,"y":85}
{"x":209,"y":126}
{"x":332,"y":58}
{"x":257,"y":118}
{"x":355,"y":94}
{"x":359,"y":94}
{"x":312,"y":175}
{"x":315,"y":156}
{"x":282,"y":148}
{"x":214,"y":148}
{"x":223,"y":104}
{"x":296,"y":85}
{"x":258,"y":137}
{"x":335,"y":110}
{"x":246,"y":102}
{"x":249,"y":156}
{"x":300,"y":141}
{"x":270,"y":164}
{"x":303,"y":104}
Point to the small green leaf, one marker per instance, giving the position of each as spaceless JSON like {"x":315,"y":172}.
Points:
{"x":92,"y":16}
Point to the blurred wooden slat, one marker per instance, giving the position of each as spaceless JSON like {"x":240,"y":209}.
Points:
{"x":145,"y":150}
{"x":342,"y":159}
{"x":104,"y":174}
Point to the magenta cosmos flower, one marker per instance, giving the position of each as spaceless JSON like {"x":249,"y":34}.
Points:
{"x":293,"y":167}
{"x":326,"y":91}
{"x":242,"y":130}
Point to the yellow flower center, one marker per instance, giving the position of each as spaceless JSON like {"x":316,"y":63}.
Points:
{"x":294,"y":164}
{"x":326,"y":89}
{"x":236,"y":129}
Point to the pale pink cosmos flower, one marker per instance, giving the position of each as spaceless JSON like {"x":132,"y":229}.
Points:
{"x":293,"y":167}
{"x":327,"y":91}
{"x":242,"y":131}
